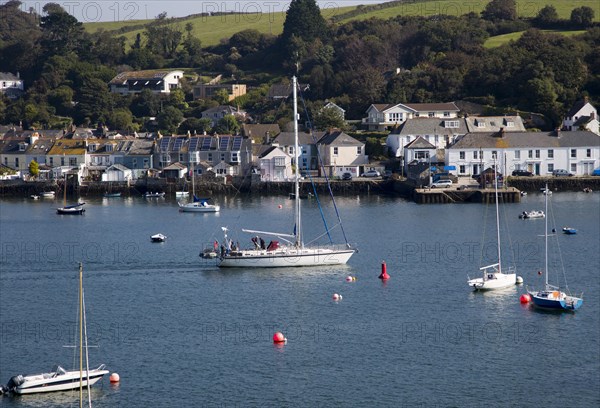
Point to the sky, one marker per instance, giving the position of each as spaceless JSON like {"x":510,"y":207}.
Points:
{"x":87,"y":11}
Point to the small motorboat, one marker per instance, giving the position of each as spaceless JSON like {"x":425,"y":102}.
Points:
{"x":111,"y":195}
{"x":523,"y":193}
{"x":587,"y":190}
{"x":569,"y":231}
{"x":158,"y":238}
{"x":48,"y":194}
{"x":532,"y":214}
{"x":35,"y":196}
{"x":151,"y":194}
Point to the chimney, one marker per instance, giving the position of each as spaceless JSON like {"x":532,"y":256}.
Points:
{"x":558,"y":133}
{"x":501,"y":132}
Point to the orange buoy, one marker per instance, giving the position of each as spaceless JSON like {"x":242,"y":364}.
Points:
{"x":114,"y":378}
{"x":525,"y":298}
{"x":384,"y":275}
{"x":278,"y":337}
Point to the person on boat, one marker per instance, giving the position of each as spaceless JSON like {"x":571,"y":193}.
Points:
{"x":262,"y":244}
{"x":255,"y":242}
{"x":216,"y":245}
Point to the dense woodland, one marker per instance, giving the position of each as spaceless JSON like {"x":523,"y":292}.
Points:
{"x":401,"y":60}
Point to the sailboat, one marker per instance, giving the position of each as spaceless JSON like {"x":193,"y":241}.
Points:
{"x":60,"y":379}
{"x":293,"y":252}
{"x":198,"y":204}
{"x":493,"y":275}
{"x":75,"y":209}
{"x":551,"y":297}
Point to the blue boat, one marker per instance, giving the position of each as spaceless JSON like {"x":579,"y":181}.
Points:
{"x":569,"y":231}
{"x":552,"y":297}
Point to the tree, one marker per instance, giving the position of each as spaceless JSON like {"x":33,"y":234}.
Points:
{"x":303,"y":24}
{"x":34,"y":169}
{"x":120,"y":119}
{"x":221,"y":96}
{"x":582,"y":17}
{"x":497,"y":10}
{"x":228,"y":124}
{"x":195,"y":125}
{"x":61,"y":32}
{"x":169,"y":119}
{"x":326,"y":118}
{"x":547,"y":17}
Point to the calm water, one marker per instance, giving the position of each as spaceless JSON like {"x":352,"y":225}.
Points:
{"x":181,"y":332}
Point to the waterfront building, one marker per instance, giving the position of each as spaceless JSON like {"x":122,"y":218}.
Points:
{"x":541,"y":153}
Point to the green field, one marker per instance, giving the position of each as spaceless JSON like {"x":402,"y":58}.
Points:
{"x":499,"y":40}
{"x":211,"y":30}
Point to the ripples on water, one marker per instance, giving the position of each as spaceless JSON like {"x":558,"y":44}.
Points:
{"x":181,"y":332}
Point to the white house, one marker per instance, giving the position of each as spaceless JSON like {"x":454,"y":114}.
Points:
{"x":582,"y":115}
{"x":538,"y":152}
{"x":219,"y":112}
{"x":275,"y":165}
{"x":439,"y":132}
{"x":384,"y":116}
{"x":341,"y":153}
{"x":421,"y":151}
{"x":11,"y":85}
{"x":158,"y":81}
{"x":117,"y":172}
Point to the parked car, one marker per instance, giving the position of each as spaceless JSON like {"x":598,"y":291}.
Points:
{"x":522,"y":173}
{"x":371,"y":173}
{"x":596,"y":172}
{"x":347,"y":176}
{"x":441,"y":184}
{"x":561,"y":173}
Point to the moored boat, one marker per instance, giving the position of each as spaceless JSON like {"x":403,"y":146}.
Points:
{"x":532,"y":214}
{"x":158,"y":238}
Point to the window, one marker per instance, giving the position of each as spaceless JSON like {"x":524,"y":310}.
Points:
{"x":573,"y":153}
{"x":291,"y":150}
{"x":72,"y":161}
{"x":222,"y":156}
{"x":437,"y":139}
{"x":588,"y":153}
{"x":480,"y":123}
{"x":446,"y":114}
{"x":475,"y":154}
{"x":510,"y":123}
{"x":451,"y":124}
{"x":395,"y":117}
{"x":574,"y":168}
{"x":494,"y":154}
{"x":181,"y":157}
{"x":51,"y":161}
{"x":234,"y":157}
{"x":6,"y":161}
{"x":210,"y":159}
{"x":462,"y":169}
{"x":421,"y":154}
{"x":461,"y":155}
{"x":279,"y":161}
{"x":92,"y":147}
{"x":335,"y":151}
{"x":530,"y":154}
{"x":551,"y":153}
{"x":146,"y":163}
{"x":16,"y":162}
{"x":62,"y":161}
{"x":537,"y":154}
{"x":517,"y":154}
{"x":358,"y":150}
{"x":550,"y":167}
{"x":109,"y":147}
{"x":431,"y":114}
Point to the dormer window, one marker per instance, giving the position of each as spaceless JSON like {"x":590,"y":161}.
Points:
{"x":509,"y":123}
{"x":22,"y":147}
{"x":451,"y":124}
{"x":480,"y":123}
{"x":92,"y":147}
{"x":109,"y":147}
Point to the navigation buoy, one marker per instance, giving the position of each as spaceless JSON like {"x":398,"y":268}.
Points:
{"x":384,"y":275}
{"x":114,"y":378}
{"x":525,"y":298}
{"x":337,"y":297}
{"x":350,"y":278}
{"x":519,"y":280}
{"x":280,"y":206}
{"x":279,"y":338}
{"x":540,"y":273}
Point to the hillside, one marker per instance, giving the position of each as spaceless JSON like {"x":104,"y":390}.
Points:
{"x":212,"y":29}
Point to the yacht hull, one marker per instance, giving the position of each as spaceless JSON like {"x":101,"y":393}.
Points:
{"x":499,"y":281}
{"x":301,"y":257}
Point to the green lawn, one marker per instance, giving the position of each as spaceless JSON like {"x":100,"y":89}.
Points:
{"x":211,"y":30}
{"x":499,"y":40}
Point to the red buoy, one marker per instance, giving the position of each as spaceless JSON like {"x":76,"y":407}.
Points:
{"x":279,"y":338}
{"x":114,"y":378}
{"x":540,"y":273}
{"x":384,"y":275}
{"x":525,"y":298}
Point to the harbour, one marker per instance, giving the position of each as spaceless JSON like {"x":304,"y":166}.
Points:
{"x":182,"y":332}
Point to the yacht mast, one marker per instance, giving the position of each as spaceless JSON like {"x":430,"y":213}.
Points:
{"x":297,"y":228}
{"x":497,"y":215}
